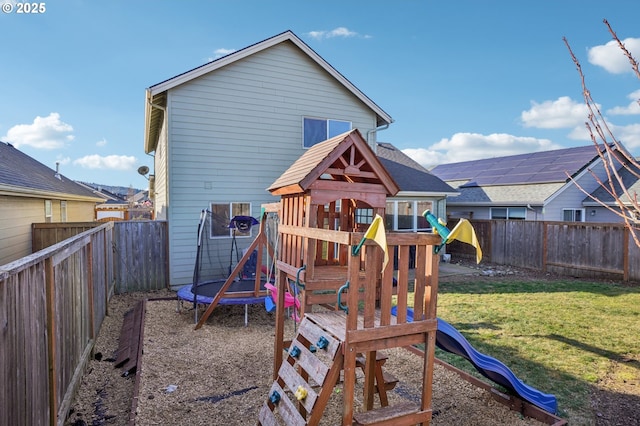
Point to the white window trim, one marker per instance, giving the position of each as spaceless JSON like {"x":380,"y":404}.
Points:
{"x":508,"y":215}
{"x":48,"y":211}
{"x":230,"y":204}
{"x":326,"y":120}
{"x":582,"y":215}
{"x":63,"y":211}
{"x":414,"y":208}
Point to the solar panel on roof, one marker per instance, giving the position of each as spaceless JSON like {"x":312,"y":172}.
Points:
{"x":548,"y":166}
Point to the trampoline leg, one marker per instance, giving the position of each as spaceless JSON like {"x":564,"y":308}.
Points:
{"x":246,"y":315}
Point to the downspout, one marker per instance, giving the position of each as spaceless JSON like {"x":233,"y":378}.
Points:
{"x":370,"y":132}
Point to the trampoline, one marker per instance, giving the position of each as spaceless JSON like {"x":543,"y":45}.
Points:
{"x":244,"y":288}
{"x":206,"y":292}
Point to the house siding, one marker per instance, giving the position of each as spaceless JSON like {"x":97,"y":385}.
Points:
{"x":570,"y":196}
{"x":78,"y":211}
{"x":161,"y":199}
{"x":234,"y":131}
{"x":18,"y":213}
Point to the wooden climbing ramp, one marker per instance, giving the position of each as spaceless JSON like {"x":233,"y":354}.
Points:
{"x":306,"y":378}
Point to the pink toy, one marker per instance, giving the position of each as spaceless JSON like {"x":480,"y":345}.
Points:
{"x":289,"y":300}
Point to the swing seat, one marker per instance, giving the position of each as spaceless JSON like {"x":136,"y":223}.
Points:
{"x":289,"y":301}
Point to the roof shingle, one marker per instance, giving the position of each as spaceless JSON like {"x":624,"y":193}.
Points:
{"x":19,"y":170}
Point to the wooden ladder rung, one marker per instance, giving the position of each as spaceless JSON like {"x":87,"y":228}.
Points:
{"x":404,"y":413}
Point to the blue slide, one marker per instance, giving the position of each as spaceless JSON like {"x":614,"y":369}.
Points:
{"x":449,"y":339}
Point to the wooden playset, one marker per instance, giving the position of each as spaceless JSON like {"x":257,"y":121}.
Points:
{"x":329,"y":198}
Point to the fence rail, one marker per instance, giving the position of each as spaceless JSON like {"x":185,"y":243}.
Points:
{"x":588,"y":250}
{"x":53,"y":302}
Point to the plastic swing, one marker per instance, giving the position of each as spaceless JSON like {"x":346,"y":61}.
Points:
{"x":289,"y":301}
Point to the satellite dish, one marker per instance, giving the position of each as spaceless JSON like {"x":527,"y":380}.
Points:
{"x":143,"y":170}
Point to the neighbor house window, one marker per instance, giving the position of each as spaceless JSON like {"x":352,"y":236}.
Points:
{"x":221,"y":215}
{"x":63,"y":211}
{"x":364,"y":216}
{"x":573,"y":215}
{"x":512,"y":213}
{"x":317,"y":130}
{"x":406,"y":215}
{"x":48,"y":211}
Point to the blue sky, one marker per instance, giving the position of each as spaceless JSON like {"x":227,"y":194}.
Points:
{"x":462,"y":79}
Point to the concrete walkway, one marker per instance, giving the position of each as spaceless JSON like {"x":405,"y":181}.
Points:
{"x":449,"y":269}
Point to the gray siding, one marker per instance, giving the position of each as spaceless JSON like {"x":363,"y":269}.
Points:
{"x":233,"y":131}
{"x":570,"y":196}
{"x":601,"y":215}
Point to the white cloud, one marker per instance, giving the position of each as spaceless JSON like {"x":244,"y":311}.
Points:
{"x":611,"y":58}
{"x":102,"y":142}
{"x":580,"y":133}
{"x":112,"y":162}
{"x":561,"y":113}
{"x":44,"y":133}
{"x":219,"y":53}
{"x":475,"y":146}
{"x":336,"y":32}
{"x":632,"y":109}
{"x":629,"y":135}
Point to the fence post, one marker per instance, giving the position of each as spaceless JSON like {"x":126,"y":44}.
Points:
{"x":92,"y":332}
{"x":51,"y":339}
{"x":625,"y":254}
{"x":544,"y":246}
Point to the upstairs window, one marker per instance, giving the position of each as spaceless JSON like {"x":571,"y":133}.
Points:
{"x":573,"y":215}
{"x":317,"y":130}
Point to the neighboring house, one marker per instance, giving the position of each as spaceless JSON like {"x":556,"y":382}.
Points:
{"x":134,"y":206}
{"x":113,"y":207}
{"x":535,"y":186}
{"x":419,"y":190}
{"x":629,"y":175}
{"x":222,"y":132}
{"x":30,"y":192}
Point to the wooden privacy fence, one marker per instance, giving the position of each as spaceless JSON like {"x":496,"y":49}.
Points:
{"x":53,"y":302}
{"x":141,"y":249}
{"x":589,"y":250}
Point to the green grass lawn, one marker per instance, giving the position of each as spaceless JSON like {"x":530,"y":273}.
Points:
{"x":558,"y":336}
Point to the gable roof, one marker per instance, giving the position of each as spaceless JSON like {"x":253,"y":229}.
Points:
{"x":21,"y":175}
{"x":629,"y":175}
{"x":409,"y":174}
{"x":516,"y":179}
{"x":535,"y":167}
{"x":157,"y":94}
{"x":345,"y":158}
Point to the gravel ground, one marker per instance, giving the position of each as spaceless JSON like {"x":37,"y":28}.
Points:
{"x":221,"y":374}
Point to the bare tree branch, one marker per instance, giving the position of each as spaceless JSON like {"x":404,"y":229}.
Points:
{"x":616,"y":160}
